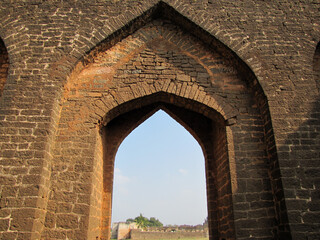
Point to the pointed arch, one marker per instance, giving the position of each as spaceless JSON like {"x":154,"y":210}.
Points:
{"x":168,"y":150}
{"x":156,"y":61}
{"x":202,"y":128}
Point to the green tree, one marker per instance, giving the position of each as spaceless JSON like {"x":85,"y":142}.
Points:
{"x":144,"y":222}
{"x":153,"y":222}
{"x":129,"y":220}
{"x":141,"y":221}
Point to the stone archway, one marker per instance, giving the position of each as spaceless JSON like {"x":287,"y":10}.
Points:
{"x":206,"y":88}
{"x":209,"y":132}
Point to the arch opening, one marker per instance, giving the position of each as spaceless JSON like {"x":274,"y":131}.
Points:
{"x":160,"y":167}
{"x":211,"y":137}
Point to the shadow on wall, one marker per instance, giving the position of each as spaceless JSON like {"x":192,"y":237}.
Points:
{"x":316,"y":66}
{"x":4,"y":65}
{"x":301,"y":175}
{"x":301,"y":170}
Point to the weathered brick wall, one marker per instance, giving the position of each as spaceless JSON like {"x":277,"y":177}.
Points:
{"x":159,"y":57}
{"x":51,"y":151}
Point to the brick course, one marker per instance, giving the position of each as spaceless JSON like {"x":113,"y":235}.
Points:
{"x":242,"y":77}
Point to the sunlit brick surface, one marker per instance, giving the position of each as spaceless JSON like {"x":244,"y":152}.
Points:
{"x":241,"y":76}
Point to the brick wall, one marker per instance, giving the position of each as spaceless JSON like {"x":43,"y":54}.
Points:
{"x":157,"y":60}
{"x":242,"y":77}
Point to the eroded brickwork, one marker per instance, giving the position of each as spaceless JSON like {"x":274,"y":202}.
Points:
{"x":161,"y":58}
{"x":242,"y":77}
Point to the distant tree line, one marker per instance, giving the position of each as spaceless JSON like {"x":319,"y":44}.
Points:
{"x":144,"y":222}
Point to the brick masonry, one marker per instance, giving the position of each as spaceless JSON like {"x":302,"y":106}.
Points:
{"x":242,"y":77}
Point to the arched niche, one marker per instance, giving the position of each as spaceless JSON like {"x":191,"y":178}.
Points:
{"x":162,"y":60}
{"x":4,"y":65}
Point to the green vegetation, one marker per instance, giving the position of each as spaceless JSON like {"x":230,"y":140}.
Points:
{"x":144,"y":222}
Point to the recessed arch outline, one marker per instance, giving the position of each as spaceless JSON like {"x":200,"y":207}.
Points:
{"x":195,"y":99}
{"x":111,"y":105}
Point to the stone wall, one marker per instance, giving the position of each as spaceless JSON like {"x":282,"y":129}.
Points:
{"x":241,"y":76}
{"x":122,"y":230}
{"x":137,"y":234}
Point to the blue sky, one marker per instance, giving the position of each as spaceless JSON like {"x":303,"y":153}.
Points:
{"x":159,"y":172}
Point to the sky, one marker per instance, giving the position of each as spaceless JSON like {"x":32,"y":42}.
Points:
{"x":160,"y":172}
